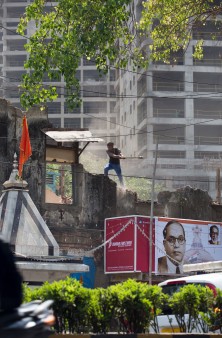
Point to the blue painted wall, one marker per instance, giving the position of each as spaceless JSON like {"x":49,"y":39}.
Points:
{"x":87,"y":278}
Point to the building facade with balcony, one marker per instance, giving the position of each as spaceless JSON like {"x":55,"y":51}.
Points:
{"x":179,"y":107}
{"x":98,"y":94}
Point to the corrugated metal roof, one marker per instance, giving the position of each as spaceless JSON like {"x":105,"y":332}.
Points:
{"x":72,"y":136}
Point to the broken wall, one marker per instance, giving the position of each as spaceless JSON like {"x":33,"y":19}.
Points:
{"x":190,"y":203}
{"x":78,"y":228}
{"x":11,"y":129}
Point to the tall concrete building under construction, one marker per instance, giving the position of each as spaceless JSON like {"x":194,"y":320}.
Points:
{"x":176,"y":106}
{"x":98,"y":96}
{"x":179,"y":107}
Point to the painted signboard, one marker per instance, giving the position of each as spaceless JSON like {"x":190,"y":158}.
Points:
{"x":174,"y":242}
{"x":119,"y":250}
{"x":183,"y":241}
{"x":127,"y":244}
{"x":143,"y":243}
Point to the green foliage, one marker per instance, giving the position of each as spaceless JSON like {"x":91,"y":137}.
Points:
{"x":158,"y":300}
{"x":170,"y":25}
{"x":188,"y":304}
{"x":142,"y":186}
{"x":70,"y":304}
{"x":66,"y":32}
{"x":29,"y":294}
{"x":105,"y":31}
{"x":129,"y":307}
{"x":101,"y":309}
{"x":92,"y":163}
{"x":134,"y":308}
{"x":63,"y":178}
{"x":214,"y":319}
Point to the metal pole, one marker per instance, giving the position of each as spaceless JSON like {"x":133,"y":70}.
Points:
{"x":218,"y":186}
{"x":151,"y":216}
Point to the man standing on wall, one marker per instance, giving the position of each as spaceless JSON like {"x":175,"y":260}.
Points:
{"x":114,"y":161}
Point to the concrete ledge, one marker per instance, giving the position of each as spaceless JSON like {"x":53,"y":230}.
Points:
{"x":50,"y":266}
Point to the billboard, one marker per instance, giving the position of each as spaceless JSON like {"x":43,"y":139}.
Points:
{"x":120,"y":244}
{"x":127,"y":244}
{"x":183,"y":241}
{"x":174,"y":242}
{"x":143,"y":244}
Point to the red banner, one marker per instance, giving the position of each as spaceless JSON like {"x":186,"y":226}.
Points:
{"x":119,"y":250}
{"x":143,"y":244}
{"x":128,"y":245}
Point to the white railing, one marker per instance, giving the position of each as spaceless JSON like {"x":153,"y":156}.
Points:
{"x":170,"y":140}
{"x":168,"y":113}
{"x":15,"y":63}
{"x":208,"y":62}
{"x":168,"y":86}
{"x":202,"y":87}
{"x":207,"y":35}
{"x":199,"y":140}
{"x":14,"y":48}
{"x":203,"y":140}
{"x":202,"y":114}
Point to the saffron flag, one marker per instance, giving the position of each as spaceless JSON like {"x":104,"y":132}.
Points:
{"x":25,"y":146}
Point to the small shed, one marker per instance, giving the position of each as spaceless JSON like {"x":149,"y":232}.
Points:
{"x":63,"y":148}
{"x":66,"y":145}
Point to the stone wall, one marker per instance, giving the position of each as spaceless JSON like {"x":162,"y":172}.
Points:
{"x":190,"y":203}
{"x":78,"y":227}
{"x":11,"y":129}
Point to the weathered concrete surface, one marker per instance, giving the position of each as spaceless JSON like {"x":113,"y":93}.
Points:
{"x":79,"y":227}
{"x":126,"y":202}
{"x":187,"y":203}
{"x":10,"y":130}
{"x":96,"y":197}
{"x":47,"y":271}
{"x":144,"y":207}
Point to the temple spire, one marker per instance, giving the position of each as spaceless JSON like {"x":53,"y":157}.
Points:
{"x":14,"y":181}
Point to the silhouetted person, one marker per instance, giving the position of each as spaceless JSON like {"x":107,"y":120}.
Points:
{"x":10,"y":280}
{"x":114,"y":161}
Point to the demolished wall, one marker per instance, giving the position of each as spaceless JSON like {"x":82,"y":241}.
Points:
{"x":190,"y":203}
{"x":78,"y":228}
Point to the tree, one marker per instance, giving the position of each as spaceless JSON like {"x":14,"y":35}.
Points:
{"x":106,"y":32}
{"x":171,"y":23}
{"x":94,"y":29}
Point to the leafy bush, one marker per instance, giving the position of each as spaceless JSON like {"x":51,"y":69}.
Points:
{"x":101,"y":310}
{"x":191,"y":306}
{"x":134,"y":308}
{"x":130,"y":307}
{"x":70,"y":306}
{"x":214,"y":319}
